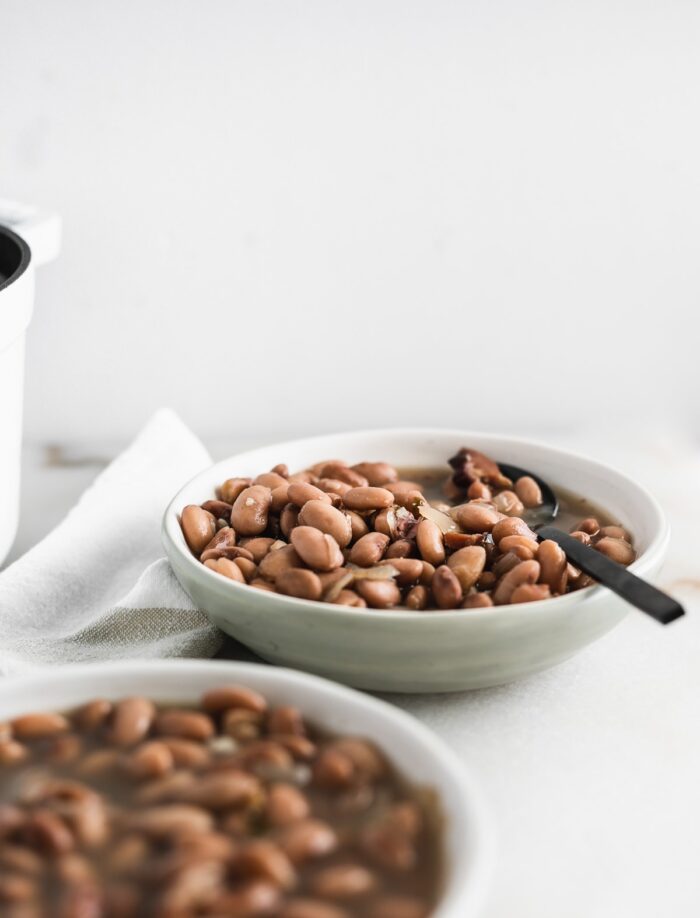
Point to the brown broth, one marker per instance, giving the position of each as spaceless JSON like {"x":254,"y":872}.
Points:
{"x":572,"y":507}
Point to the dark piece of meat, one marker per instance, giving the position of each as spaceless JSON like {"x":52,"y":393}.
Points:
{"x":470,"y":465}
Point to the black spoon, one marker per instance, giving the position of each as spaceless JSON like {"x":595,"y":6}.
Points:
{"x":617,"y":578}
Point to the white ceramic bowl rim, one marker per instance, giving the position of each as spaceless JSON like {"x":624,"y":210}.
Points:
{"x":655,"y":549}
{"x":466,"y":885}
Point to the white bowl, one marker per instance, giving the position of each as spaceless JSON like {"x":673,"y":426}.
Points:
{"x":407,"y":651}
{"x":420,"y":756}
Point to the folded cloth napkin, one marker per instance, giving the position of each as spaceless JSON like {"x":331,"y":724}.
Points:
{"x":98,"y":587}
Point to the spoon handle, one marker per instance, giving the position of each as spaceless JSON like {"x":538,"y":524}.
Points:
{"x":617,"y":578}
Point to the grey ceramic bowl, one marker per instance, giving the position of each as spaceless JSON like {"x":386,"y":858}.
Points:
{"x":407,"y":651}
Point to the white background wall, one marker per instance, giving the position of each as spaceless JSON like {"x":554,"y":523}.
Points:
{"x":291,"y":216}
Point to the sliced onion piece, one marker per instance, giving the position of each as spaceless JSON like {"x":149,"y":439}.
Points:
{"x":335,"y":588}
{"x":378,"y":572}
{"x":444,"y":522}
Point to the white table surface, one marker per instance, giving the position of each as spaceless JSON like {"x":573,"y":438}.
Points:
{"x":592,"y":769}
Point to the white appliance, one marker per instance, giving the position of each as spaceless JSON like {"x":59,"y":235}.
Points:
{"x":28,"y":238}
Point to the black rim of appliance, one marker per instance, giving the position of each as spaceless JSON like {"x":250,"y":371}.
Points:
{"x":14,"y":257}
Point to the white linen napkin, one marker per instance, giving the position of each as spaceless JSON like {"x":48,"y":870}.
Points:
{"x":98,"y":586}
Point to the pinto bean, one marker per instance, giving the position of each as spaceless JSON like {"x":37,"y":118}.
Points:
{"x":265,"y":859}
{"x":334,"y":486}
{"x":613,"y":532}
{"x":376,"y":473}
{"x":385,"y":522}
{"x":343,"y":881}
{"x":409,"y":499}
{"x":198,"y":527}
{"x":530,"y":592}
{"x":477,"y":601}
{"x":279,"y":498}
{"x":582,"y":537}
{"x":220,"y":790}
{"x":279,"y":560}
{"x":174,"y":819}
{"x":521,"y":546}
{"x":367,"y":500}
{"x":409,"y":570}
{"x":259,"y":547}
{"x":131,"y":721}
{"x":219,"y":509}
{"x":285,"y":804}
{"x":467,"y":564}
{"x":590,"y":525}
{"x":248,"y":568}
{"x":552,"y":561}
{"x":477,"y":490}
{"x":151,"y":760}
{"x":369,"y":549}
{"x":429,"y":540}
{"x":401,"y":487}
{"x":46,"y":831}
{"x":476,"y":517}
{"x":307,"y":839}
{"x":389,"y":847}
{"x":401,"y":548}
{"x":270,"y":480}
{"x":232,"y":487}
{"x":446,"y":588}
{"x":251,"y":510}
{"x":342,"y":472}
{"x":233,"y":696}
{"x":349,"y":598}
{"x":524,"y":572}
{"x":317,"y":549}
{"x":417,"y":598}
{"x":509,"y":503}
{"x":39,"y":725}
{"x":186,"y":753}
{"x":20,"y":859}
{"x":300,"y":583}
{"x":615,"y":549}
{"x":226,"y":568}
{"x":180,"y":722}
{"x":528,"y":491}
{"x":327,"y":519}
{"x":301,"y":492}
{"x":12,"y":752}
{"x":93,"y":715}
{"x":510,"y":526}
{"x":241,"y":724}
{"x":289,"y":518}
{"x":379,"y":594}
{"x":15,"y":888}
{"x":286,"y":719}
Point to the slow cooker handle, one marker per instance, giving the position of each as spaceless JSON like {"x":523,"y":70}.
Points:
{"x":40,"y":229}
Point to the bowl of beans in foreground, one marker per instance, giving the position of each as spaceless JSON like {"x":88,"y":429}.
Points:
{"x":403,"y":560}
{"x":170,"y":789}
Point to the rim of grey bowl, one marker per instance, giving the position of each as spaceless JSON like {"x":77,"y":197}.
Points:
{"x":464,"y":892}
{"x":173,"y":537}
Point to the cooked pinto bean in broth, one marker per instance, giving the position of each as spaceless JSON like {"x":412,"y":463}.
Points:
{"x":421,"y":539}
{"x":233,"y":808}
